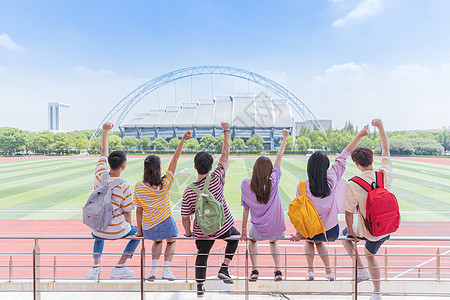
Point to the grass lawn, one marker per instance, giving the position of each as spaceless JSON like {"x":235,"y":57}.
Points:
{"x":57,"y":188}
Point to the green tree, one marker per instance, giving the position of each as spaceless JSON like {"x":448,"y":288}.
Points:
{"x":318,"y":139}
{"x":173,"y":143}
{"x":145,"y":143}
{"x":207,"y":142}
{"x":367,"y":142}
{"x":238,"y":144}
{"x":82,"y":143}
{"x":42,"y":142}
{"x":192,"y":144}
{"x":256,"y":142}
{"x":159,"y":143}
{"x":444,"y":139}
{"x":289,"y":143}
{"x":130,"y":142}
{"x":218,"y":142}
{"x":303,"y":143}
{"x":96,"y":144}
{"x":339,"y":140}
{"x":115,"y":142}
{"x":12,"y":140}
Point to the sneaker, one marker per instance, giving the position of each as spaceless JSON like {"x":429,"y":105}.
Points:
{"x":329,"y":276}
{"x":363,"y":275}
{"x":310,"y":276}
{"x":93,"y":273}
{"x":200,"y":290}
{"x":254,"y":276}
{"x":225,"y":276}
{"x":278,"y":276}
{"x":152,"y":276}
{"x":121,"y":272}
{"x":168,"y":275}
{"x":375,"y":296}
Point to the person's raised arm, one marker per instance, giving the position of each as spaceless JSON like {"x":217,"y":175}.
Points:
{"x":383,"y":137}
{"x":282,"y":147}
{"x":226,"y":144}
{"x":106,"y":127}
{"x":358,"y":137}
{"x":176,"y":155}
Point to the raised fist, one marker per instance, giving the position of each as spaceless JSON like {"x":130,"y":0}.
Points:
{"x":225,"y":126}
{"x":187,"y":135}
{"x":107,"y":126}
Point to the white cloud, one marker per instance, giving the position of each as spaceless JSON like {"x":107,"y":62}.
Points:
{"x":83,"y":71}
{"x":8,"y":43}
{"x":343,"y":70}
{"x":363,"y":10}
{"x":409,"y":72}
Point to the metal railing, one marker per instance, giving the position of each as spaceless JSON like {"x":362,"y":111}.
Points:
{"x":403,"y":259}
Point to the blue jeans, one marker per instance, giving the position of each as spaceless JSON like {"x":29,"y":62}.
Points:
{"x":129,"y":249}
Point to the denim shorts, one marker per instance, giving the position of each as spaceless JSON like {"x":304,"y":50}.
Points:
{"x":371,"y":246}
{"x":165,"y":230}
{"x":255,"y":235}
{"x":332,"y":235}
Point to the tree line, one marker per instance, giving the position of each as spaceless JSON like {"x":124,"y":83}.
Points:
{"x":14,"y":141}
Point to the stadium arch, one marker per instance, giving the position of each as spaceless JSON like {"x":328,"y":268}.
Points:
{"x":120,"y":111}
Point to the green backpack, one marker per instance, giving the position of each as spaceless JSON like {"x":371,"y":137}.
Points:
{"x":209,"y":213}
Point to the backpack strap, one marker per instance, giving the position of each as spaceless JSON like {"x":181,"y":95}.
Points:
{"x":115,"y":183}
{"x":361,"y":182}
{"x":379,"y":179}
{"x":206,"y":186}
{"x":195,"y":189}
{"x":303,"y":188}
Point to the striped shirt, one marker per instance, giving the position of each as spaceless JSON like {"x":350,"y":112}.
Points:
{"x":154,"y":203}
{"x":121,"y":200}
{"x":216,"y":188}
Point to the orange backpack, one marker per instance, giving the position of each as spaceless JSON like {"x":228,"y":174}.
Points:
{"x":304,"y":216}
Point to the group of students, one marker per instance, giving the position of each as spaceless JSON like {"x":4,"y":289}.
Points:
{"x":259,"y":197}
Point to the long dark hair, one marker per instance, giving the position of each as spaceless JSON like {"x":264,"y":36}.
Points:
{"x":152,"y":170}
{"x":260,"y":183}
{"x":318,"y":164}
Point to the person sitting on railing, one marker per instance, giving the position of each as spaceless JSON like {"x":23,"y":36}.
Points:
{"x":356,"y":197}
{"x":153,"y":213}
{"x":321,"y":189}
{"x":122,"y":203}
{"x":260,"y":196}
{"x":203,"y":162}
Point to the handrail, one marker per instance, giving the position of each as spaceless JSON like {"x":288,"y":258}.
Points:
{"x":233,"y":237}
{"x":431,"y":266}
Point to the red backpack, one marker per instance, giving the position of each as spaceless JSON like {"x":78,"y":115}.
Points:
{"x":382,"y":211}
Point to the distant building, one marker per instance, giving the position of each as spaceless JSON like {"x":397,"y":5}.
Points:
{"x":248,"y":115}
{"x":58,"y":117}
{"x":326,"y":124}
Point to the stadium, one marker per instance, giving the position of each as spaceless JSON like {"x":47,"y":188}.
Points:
{"x":248,"y":114}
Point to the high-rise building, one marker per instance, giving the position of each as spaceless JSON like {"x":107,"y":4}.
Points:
{"x":58,"y":117}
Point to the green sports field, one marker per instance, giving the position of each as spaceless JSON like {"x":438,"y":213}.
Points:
{"x":57,"y":188}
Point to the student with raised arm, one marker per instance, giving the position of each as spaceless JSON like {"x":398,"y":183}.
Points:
{"x":153,"y":213}
{"x":355,"y":198}
{"x":203,"y":162}
{"x":320,"y":188}
{"x":260,"y":196}
{"x":121,"y":200}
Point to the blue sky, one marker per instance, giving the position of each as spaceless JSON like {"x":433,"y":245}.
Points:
{"x":345,"y":59}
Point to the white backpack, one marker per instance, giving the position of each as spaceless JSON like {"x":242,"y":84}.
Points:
{"x":98,"y":210}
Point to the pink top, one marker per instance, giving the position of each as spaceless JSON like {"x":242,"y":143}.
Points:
{"x":328,"y":207}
